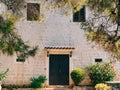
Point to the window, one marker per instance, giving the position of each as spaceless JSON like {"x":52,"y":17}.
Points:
{"x":79,"y":16}
{"x":98,"y":59}
{"x":20,"y":60}
{"x":33,"y":11}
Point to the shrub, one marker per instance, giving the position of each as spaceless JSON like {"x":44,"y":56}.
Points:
{"x":99,"y":73}
{"x":3,"y":75}
{"x":102,"y":86}
{"x":38,"y":82}
{"x":77,"y":75}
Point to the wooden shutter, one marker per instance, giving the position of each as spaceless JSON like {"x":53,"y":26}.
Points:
{"x":33,"y":11}
{"x":80,"y":16}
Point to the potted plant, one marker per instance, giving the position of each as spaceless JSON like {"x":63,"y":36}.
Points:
{"x":77,"y":75}
{"x":38,"y":82}
{"x":100,"y":73}
{"x":102,"y":86}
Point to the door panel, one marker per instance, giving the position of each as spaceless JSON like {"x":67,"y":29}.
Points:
{"x":59,"y":70}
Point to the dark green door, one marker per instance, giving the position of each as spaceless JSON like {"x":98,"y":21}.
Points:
{"x":59,"y":69}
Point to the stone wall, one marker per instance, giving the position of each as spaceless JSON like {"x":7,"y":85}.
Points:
{"x":56,"y":30}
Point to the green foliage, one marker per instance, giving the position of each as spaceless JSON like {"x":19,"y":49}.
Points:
{"x":11,"y":87}
{"x":99,"y":73}
{"x":77,"y":75}
{"x":102,"y":28}
{"x":14,"y":5}
{"x":104,"y":11}
{"x":3,"y":75}
{"x":38,"y":82}
{"x":109,"y":43}
{"x":76,"y":5}
{"x":108,"y":7}
{"x":6,"y":26}
{"x":11,"y":43}
{"x":101,"y":5}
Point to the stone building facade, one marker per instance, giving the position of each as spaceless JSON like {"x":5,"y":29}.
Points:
{"x":58,"y":37}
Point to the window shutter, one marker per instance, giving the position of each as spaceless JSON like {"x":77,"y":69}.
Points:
{"x":76,"y":17}
{"x":80,"y":15}
{"x":33,"y":11}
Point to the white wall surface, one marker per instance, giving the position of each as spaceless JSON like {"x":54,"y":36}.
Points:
{"x":57,"y":30}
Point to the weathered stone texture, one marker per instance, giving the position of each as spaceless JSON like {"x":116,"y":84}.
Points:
{"x":57,"y":30}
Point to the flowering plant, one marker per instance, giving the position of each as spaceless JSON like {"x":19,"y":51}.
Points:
{"x":102,"y":86}
{"x":99,"y":73}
